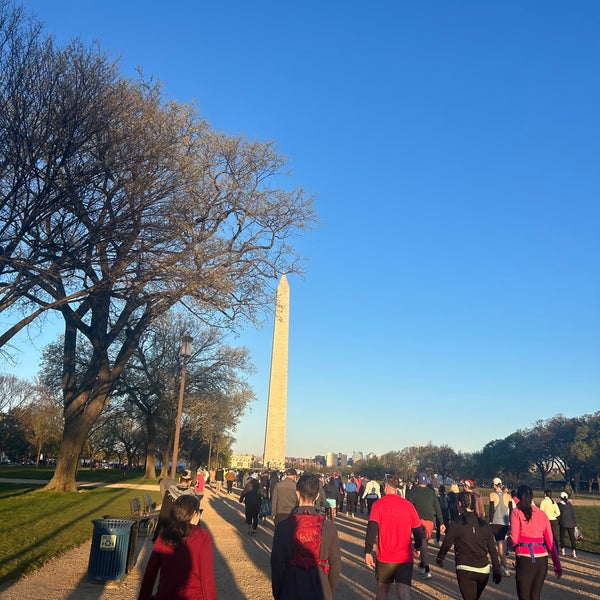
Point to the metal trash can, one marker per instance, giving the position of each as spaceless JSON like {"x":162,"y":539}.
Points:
{"x":132,"y":538}
{"x":110,"y":549}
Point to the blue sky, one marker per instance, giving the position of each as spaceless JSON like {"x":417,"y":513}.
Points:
{"x":452,"y":293}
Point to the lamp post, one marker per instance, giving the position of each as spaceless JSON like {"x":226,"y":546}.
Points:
{"x":186,"y":350}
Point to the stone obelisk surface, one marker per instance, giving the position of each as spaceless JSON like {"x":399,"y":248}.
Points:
{"x":274,"y":456}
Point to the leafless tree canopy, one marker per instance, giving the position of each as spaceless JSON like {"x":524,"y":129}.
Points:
{"x":117,"y":204}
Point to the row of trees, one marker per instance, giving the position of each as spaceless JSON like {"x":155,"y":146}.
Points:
{"x":567,"y":448}
{"x":138,"y":424}
{"x":117,"y":206}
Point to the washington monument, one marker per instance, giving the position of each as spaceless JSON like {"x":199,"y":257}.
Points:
{"x":274,"y":457}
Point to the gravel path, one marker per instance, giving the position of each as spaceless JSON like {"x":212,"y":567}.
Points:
{"x":242,"y":568}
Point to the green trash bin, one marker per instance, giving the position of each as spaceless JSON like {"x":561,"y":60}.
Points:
{"x":110,"y":549}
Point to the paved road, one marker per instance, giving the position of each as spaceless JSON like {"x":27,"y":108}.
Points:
{"x":242,"y":568}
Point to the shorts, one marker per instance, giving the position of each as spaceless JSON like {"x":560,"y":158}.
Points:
{"x":390,"y":572}
{"x":499,"y":531}
{"x":331,"y":503}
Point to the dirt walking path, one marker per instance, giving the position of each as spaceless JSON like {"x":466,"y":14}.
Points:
{"x":242,"y":568}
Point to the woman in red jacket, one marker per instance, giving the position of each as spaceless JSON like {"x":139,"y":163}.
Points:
{"x":183,"y":553}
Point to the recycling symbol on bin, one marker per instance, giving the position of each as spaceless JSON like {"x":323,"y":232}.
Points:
{"x":108,"y":542}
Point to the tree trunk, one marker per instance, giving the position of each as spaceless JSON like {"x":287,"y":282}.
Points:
{"x":75,"y":434}
{"x":150,"y":448}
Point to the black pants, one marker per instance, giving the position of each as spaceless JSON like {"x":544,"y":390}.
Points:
{"x":471,"y":584}
{"x":351,"y":498}
{"x":530,"y":576}
{"x":229,"y":486}
{"x":571,"y":532}
{"x":252,"y":511}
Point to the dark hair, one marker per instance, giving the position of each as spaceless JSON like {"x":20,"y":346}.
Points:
{"x":442,"y":489}
{"x":392,"y":481}
{"x":548,"y":493}
{"x":178,"y":525}
{"x":468,"y":500}
{"x":308,"y":486}
{"x":525,"y":496}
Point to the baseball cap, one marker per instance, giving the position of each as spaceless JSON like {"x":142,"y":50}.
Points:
{"x":422,"y":478}
{"x":469,"y":483}
{"x":564,"y":495}
{"x":497,"y":481}
{"x":187,"y":474}
{"x":291,"y":472}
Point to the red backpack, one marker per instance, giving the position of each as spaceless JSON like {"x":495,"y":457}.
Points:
{"x":307,"y":530}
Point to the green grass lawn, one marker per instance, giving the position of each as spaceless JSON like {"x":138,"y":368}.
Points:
{"x":37,"y":525}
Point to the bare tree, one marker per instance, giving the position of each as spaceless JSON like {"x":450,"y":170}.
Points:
{"x":138,"y":205}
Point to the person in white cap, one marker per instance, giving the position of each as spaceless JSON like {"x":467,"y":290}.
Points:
{"x":500,"y":507}
{"x":567,"y":523}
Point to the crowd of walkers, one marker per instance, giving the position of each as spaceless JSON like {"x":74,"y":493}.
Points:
{"x":401,"y":519}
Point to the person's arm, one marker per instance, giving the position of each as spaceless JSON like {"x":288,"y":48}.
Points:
{"x":446,"y":544}
{"x":152,"y":568}
{"x":334,"y":558}
{"x":492,"y":504}
{"x":274,"y":496}
{"x":438,"y":513}
{"x":370,"y":539}
{"x":207,"y":571}
{"x":277,"y":562}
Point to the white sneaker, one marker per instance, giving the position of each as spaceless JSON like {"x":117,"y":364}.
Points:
{"x":426,"y":575}
{"x":562,"y":552}
{"x":574,"y":554}
{"x":506,"y":573}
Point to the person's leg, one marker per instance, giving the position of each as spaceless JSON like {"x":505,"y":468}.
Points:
{"x":524,"y":577}
{"x":382,"y":591}
{"x":255,"y":511}
{"x":403,"y":591}
{"x":571,"y":532}
{"x":540,"y":570}
{"x":562,"y":540}
{"x":467,"y":584}
{"x":481,"y":582}
{"x":501,"y":544}
{"x":428,"y":526}
{"x":555,"y":533}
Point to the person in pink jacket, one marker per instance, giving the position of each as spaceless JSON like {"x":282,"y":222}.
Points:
{"x":533,"y":540}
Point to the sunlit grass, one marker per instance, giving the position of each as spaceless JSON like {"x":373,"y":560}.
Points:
{"x":37,"y":525}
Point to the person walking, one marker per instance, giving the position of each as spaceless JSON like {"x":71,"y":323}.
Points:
{"x":199,"y":485}
{"x":499,"y":517}
{"x":251,"y":496}
{"x":532,"y":539}
{"x":332,"y":497}
{"x":392,"y":522}
{"x":473,"y":543}
{"x":284,"y":496}
{"x":550,"y":507}
{"x":428,"y":508}
{"x":183,"y":554}
{"x":229,"y":479}
{"x":567,"y":523}
{"x":371,"y":494}
{"x":469,"y":486}
{"x":351,"y":496}
{"x":305,"y":557}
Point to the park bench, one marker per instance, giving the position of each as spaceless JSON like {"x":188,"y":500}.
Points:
{"x":145,"y":514}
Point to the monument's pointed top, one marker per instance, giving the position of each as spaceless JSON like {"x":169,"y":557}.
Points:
{"x":283,"y":281}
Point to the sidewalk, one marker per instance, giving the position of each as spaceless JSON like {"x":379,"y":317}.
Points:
{"x":242,"y":570}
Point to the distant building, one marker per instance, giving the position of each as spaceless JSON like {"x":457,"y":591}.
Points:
{"x":336,"y":459}
{"x":356,"y":456}
{"x":245,"y":461}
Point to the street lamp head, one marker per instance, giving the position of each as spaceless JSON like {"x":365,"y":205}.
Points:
{"x":186,"y":345}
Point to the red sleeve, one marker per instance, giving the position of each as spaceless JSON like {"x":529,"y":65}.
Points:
{"x":150,"y":576}
{"x":207,"y":572}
